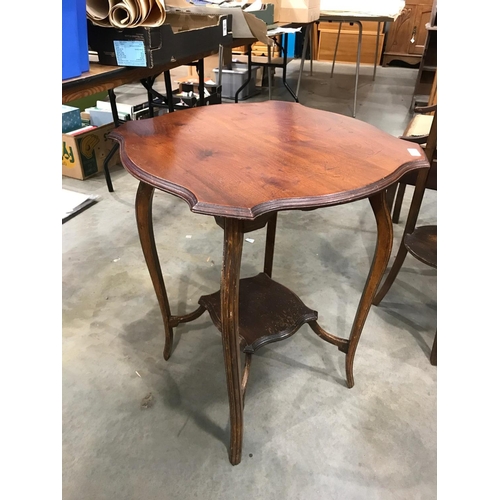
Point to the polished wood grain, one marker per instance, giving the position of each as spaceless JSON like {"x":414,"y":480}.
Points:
{"x":377,"y":269}
{"x":229,"y":295}
{"x":143,"y":210}
{"x":316,"y":159}
{"x":143,"y":207}
{"x":285,"y":156}
{"x":379,"y":264}
{"x":268,"y":311}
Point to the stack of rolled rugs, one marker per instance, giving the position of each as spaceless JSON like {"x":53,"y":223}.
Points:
{"x":126,"y":13}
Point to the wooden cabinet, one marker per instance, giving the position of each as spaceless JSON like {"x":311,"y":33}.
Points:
{"x":348,"y":42}
{"x":405,"y":40}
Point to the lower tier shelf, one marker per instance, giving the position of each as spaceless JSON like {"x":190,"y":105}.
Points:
{"x":422,"y":244}
{"x":268,"y":312}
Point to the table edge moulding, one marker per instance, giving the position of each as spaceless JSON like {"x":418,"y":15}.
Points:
{"x":244,"y":182}
{"x":211,"y":151}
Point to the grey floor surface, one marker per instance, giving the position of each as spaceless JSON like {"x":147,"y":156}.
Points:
{"x":306,"y":435}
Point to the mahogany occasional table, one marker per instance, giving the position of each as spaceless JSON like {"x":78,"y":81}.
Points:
{"x":242,"y":164}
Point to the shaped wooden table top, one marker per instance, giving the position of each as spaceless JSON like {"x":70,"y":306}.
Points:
{"x":241,"y":161}
{"x":244,"y":160}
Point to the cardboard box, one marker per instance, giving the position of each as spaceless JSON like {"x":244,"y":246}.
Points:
{"x":83,"y":154}
{"x":299,"y":11}
{"x":183,"y":36}
{"x":243,"y":24}
{"x":71,"y":119}
{"x":295,"y":11}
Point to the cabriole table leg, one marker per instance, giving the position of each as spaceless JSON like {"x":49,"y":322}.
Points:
{"x":230,"y":284}
{"x":143,"y":211}
{"x":378,"y":267}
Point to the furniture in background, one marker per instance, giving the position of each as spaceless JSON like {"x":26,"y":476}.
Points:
{"x":319,"y":159}
{"x":419,"y":241}
{"x":271,"y":62}
{"x":417,"y":131}
{"x":405,"y":39}
{"x":343,"y":37}
{"x":102,"y":78}
{"x":352,"y":19}
{"x":426,"y":85}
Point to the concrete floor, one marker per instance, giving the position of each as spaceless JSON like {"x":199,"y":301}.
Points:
{"x":306,"y":435}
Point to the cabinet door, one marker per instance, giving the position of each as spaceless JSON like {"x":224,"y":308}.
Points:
{"x":419,"y":32}
{"x":400,"y":31}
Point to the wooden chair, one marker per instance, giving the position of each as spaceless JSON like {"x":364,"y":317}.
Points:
{"x":417,"y":131}
{"x":421,"y":242}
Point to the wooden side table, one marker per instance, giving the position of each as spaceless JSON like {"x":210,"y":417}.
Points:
{"x":354,"y":18}
{"x":243,"y":179}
